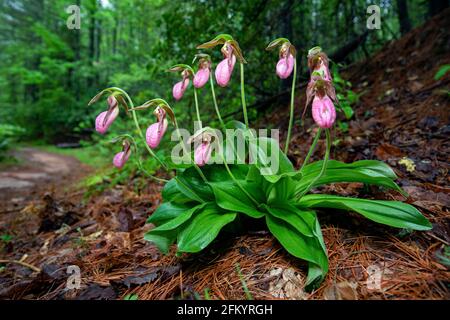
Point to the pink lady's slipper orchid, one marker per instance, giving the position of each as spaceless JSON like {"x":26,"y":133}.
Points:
{"x":203,"y":150}
{"x":202,"y":75}
{"x":106,"y":118}
{"x":318,"y":62}
{"x":323,"y":111}
{"x":224,"y":69}
{"x":323,"y":70}
{"x":287,"y":53}
{"x":285,"y":66}
{"x":203,"y":153}
{"x":179,"y":88}
{"x":156,"y":131}
{"x":122,"y":157}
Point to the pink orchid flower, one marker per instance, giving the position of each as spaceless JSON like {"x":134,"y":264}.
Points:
{"x":203,"y":153}
{"x":324,"y":71}
{"x":122,"y":157}
{"x":323,"y":111}
{"x":202,"y":75}
{"x":106,"y":118}
{"x":285,"y":66}
{"x":224,"y":69}
{"x":179,"y":88}
{"x":156,"y":131}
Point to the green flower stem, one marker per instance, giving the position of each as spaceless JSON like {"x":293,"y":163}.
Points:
{"x":244,"y":105}
{"x":238,"y":183}
{"x":324,"y":164}
{"x":139,"y":162}
{"x":291,"y":116}
{"x":136,"y":122}
{"x":196,"y":107}
{"x":311,"y":149}
{"x":141,"y":134}
{"x":215,"y":104}
{"x":141,"y":168}
{"x":185,"y":151}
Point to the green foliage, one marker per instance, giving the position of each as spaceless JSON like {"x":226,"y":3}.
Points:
{"x":194,"y":211}
{"x":6,"y":238}
{"x":8,"y":134}
{"x":442,"y":71}
{"x":346,"y":96}
{"x":48,"y":72}
{"x":131,"y":297}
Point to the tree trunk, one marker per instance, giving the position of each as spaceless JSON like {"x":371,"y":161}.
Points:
{"x":403,"y":16}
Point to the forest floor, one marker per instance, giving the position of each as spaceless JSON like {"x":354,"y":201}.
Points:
{"x":403,"y":113}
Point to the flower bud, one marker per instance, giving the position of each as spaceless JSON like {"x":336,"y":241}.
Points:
{"x":323,"y":111}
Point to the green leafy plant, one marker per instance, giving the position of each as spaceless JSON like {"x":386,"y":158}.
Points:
{"x":442,"y":71}
{"x":206,"y":195}
{"x":8,"y":134}
{"x":346,"y":96}
{"x":131,"y":297}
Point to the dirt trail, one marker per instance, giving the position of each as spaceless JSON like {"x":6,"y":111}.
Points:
{"x":37,"y":171}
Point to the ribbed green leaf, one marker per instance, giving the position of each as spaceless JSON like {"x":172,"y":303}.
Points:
{"x":392,"y":213}
{"x":365,"y":171}
{"x":300,"y":246}
{"x":162,"y":239}
{"x":203,"y":229}
{"x":177,"y":221}
{"x":299,"y":219}
{"x":230,"y":197}
{"x":167,"y":211}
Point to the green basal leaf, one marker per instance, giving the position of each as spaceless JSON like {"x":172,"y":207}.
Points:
{"x":167,"y":211}
{"x":166,"y":233}
{"x":179,"y":193}
{"x":192,"y":180}
{"x":300,"y":246}
{"x":162,"y":239}
{"x":294,"y":217}
{"x":392,"y":213}
{"x":203,"y":229}
{"x":178,"y":220}
{"x":365,"y":171}
{"x":230,"y":197}
{"x":282,"y":190}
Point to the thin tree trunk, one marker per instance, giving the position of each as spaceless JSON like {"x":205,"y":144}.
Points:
{"x":403,"y":16}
